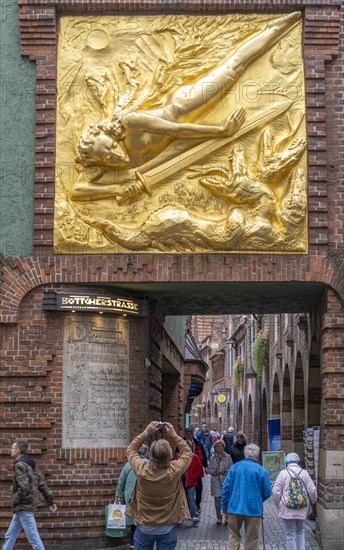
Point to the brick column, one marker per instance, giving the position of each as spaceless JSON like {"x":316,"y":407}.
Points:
{"x":331,"y":458}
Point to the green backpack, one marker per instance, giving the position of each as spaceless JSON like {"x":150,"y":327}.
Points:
{"x":297,"y":495}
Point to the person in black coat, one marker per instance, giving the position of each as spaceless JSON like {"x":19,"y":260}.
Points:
{"x":237,"y":449}
{"x":228,"y":438}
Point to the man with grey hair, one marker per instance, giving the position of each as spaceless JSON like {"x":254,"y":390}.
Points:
{"x":244,"y":490}
{"x":228,"y":438}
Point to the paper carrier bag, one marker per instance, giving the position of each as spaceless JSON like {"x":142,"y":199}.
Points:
{"x":116,"y":516}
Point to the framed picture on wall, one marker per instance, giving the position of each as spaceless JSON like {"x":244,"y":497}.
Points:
{"x":273,"y":463}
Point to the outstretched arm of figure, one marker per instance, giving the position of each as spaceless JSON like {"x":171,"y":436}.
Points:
{"x":85,"y":189}
{"x":147,"y":122}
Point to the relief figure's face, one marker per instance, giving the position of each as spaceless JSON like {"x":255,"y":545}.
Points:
{"x":108,"y":152}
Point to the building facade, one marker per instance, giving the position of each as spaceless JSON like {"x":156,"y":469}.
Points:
{"x":268,"y":369}
{"x":71,"y":313}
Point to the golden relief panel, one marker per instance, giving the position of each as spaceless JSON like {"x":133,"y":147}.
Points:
{"x":181,"y":134}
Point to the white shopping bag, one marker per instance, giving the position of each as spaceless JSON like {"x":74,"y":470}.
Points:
{"x":116,"y":516}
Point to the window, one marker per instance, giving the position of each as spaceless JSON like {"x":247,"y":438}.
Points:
{"x":230,"y":361}
{"x":242,"y":351}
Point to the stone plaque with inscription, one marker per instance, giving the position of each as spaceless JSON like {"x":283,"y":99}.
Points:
{"x":95,"y":382}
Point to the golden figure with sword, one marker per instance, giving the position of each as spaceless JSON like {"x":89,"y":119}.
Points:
{"x":131,"y":139}
{"x":151,"y":156}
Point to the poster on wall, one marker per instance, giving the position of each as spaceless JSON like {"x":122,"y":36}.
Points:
{"x":273,"y":463}
{"x":311,"y":437}
{"x":274,"y":429}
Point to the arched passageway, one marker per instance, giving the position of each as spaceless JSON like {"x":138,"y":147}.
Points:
{"x":215,"y":418}
{"x":299,"y":407}
{"x":286,"y":418}
{"x":240,"y":416}
{"x":276,"y":404}
{"x":314,"y":385}
{"x":251,"y":436}
{"x":228,"y":416}
{"x":208,"y":415}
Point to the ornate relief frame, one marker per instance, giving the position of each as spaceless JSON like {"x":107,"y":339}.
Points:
{"x":39,"y":42}
{"x":181,"y":133}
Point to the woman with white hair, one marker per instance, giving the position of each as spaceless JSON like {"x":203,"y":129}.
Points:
{"x":244,"y":490}
{"x":293,"y":517}
{"x":219,"y":465}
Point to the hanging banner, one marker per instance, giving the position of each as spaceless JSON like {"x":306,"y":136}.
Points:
{"x":274,"y":429}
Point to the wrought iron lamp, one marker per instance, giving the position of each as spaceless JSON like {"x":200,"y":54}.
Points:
{"x":250,"y":373}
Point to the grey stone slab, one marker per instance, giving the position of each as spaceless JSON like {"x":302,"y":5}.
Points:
{"x":95,"y":382}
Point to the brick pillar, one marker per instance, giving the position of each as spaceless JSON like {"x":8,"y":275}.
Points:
{"x":286,"y":417}
{"x":170,"y":399}
{"x":331,"y":457}
{"x":264,"y":426}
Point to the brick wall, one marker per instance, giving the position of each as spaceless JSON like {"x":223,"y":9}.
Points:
{"x":82,"y":480}
{"x":31,"y":369}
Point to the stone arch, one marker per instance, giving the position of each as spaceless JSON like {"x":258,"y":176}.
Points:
{"x":215,"y":418}
{"x":286,"y":417}
{"x":299,"y":406}
{"x":276,"y":400}
{"x":249,"y":422}
{"x":220,"y":424}
{"x":208,"y":414}
{"x":276,"y":404}
{"x":228,"y":415}
{"x":240,"y":416}
{"x":314,"y":385}
{"x":202,"y":414}
{"x":22,"y":274}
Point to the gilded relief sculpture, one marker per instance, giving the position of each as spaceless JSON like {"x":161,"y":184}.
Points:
{"x":181,"y":134}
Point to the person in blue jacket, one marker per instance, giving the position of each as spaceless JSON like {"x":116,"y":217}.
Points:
{"x":244,"y":490}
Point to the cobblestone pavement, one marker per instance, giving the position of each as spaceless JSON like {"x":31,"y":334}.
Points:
{"x":209,"y":536}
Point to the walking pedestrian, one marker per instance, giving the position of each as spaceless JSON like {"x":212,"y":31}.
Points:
{"x":228,"y":438}
{"x":194,"y":471}
{"x":207,"y":442}
{"x":200,"y":436}
{"x":219,"y":465}
{"x":244,"y":490}
{"x":199,"y":450}
{"x":158,"y":502}
{"x":26,"y":481}
{"x":216,"y":435}
{"x":125,"y":487}
{"x":237,"y":449}
{"x":293,"y":517}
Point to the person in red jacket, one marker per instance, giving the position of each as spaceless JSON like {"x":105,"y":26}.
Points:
{"x":198,"y":449}
{"x":194,"y":471}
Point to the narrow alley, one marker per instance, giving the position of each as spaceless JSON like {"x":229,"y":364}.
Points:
{"x":209,"y":536}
